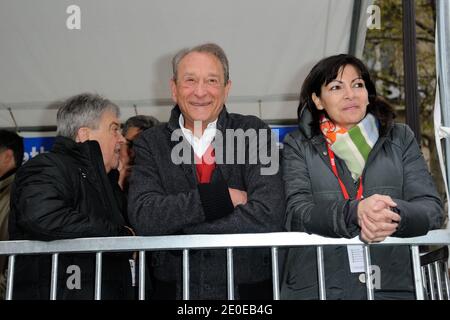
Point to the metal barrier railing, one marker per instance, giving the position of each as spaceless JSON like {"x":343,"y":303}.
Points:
{"x":224,"y":241}
{"x":435,"y":274}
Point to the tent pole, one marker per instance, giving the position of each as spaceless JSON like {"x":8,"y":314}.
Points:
{"x":354,"y":29}
{"x":410,"y":67}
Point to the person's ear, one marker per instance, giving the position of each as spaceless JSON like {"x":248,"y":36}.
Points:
{"x":6,"y":156}
{"x":227,"y":89}
{"x":7,"y":161}
{"x":317,"y":101}
{"x":173,"y":89}
{"x":82,"y":134}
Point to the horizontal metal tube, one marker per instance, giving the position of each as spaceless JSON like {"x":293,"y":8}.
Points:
{"x":180,"y":242}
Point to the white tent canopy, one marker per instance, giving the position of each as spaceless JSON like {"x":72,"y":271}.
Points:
{"x":123,"y":51}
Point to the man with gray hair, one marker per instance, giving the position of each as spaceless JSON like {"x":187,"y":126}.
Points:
{"x":67,"y":194}
{"x":202,"y":193}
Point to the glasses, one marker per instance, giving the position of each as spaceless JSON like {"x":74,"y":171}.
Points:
{"x":115,"y":130}
{"x":211,"y":82}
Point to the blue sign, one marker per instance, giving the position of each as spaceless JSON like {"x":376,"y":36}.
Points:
{"x":282,"y":130}
{"x":35,"y":145}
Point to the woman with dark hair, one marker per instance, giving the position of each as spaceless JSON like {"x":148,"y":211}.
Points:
{"x":349,"y":171}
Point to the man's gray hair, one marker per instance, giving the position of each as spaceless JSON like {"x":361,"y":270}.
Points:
{"x":211,"y":48}
{"x":82,"y":110}
{"x":143,"y":122}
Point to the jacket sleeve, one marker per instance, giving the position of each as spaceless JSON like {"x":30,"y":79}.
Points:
{"x":265,"y":207}
{"x":327,"y":218}
{"x":151,"y":210}
{"x":421,"y":208}
{"x":43,"y":205}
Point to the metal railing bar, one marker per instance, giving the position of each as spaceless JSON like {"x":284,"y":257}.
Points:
{"x":321,"y":274}
{"x":185,"y":274}
{"x":447,"y":280}
{"x":54,"y":276}
{"x":275,"y":274}
{"x":438,"y":280}
{"x":10,"y":277}
{"x":417,"y":274}
{"x":180,"y":242}
{"x":230,"y":274}
{"x":98,"y":276}
{"x":225,"y":241}
{"x":141,"y":275}
{"x":424,"y":281}
{"x":368,"y":270}
{"x":431,"y":281}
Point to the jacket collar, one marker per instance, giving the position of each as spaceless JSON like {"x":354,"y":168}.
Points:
{"x":88,"y":152}
{"x":304,"y":125}
{"x":89,"y":160}
{"x":305,"y":119}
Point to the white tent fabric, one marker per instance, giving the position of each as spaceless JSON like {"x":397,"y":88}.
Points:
{"x":123,"y":51}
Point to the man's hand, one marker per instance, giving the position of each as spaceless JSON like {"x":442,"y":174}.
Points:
{"x":376,"y":219}
{"x":237,"y":196}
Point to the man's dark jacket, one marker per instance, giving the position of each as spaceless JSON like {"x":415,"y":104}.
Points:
{"x":66,"y":194}
{"x":165,"y":198}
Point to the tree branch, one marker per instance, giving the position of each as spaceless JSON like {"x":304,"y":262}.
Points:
{"x":397,"y":38}
{"x":427,"y":29}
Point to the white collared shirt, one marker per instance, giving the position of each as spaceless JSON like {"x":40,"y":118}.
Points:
{"x":200,"y":145}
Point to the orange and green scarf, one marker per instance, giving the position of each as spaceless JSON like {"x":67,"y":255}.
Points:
{"x":354,"y":145}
